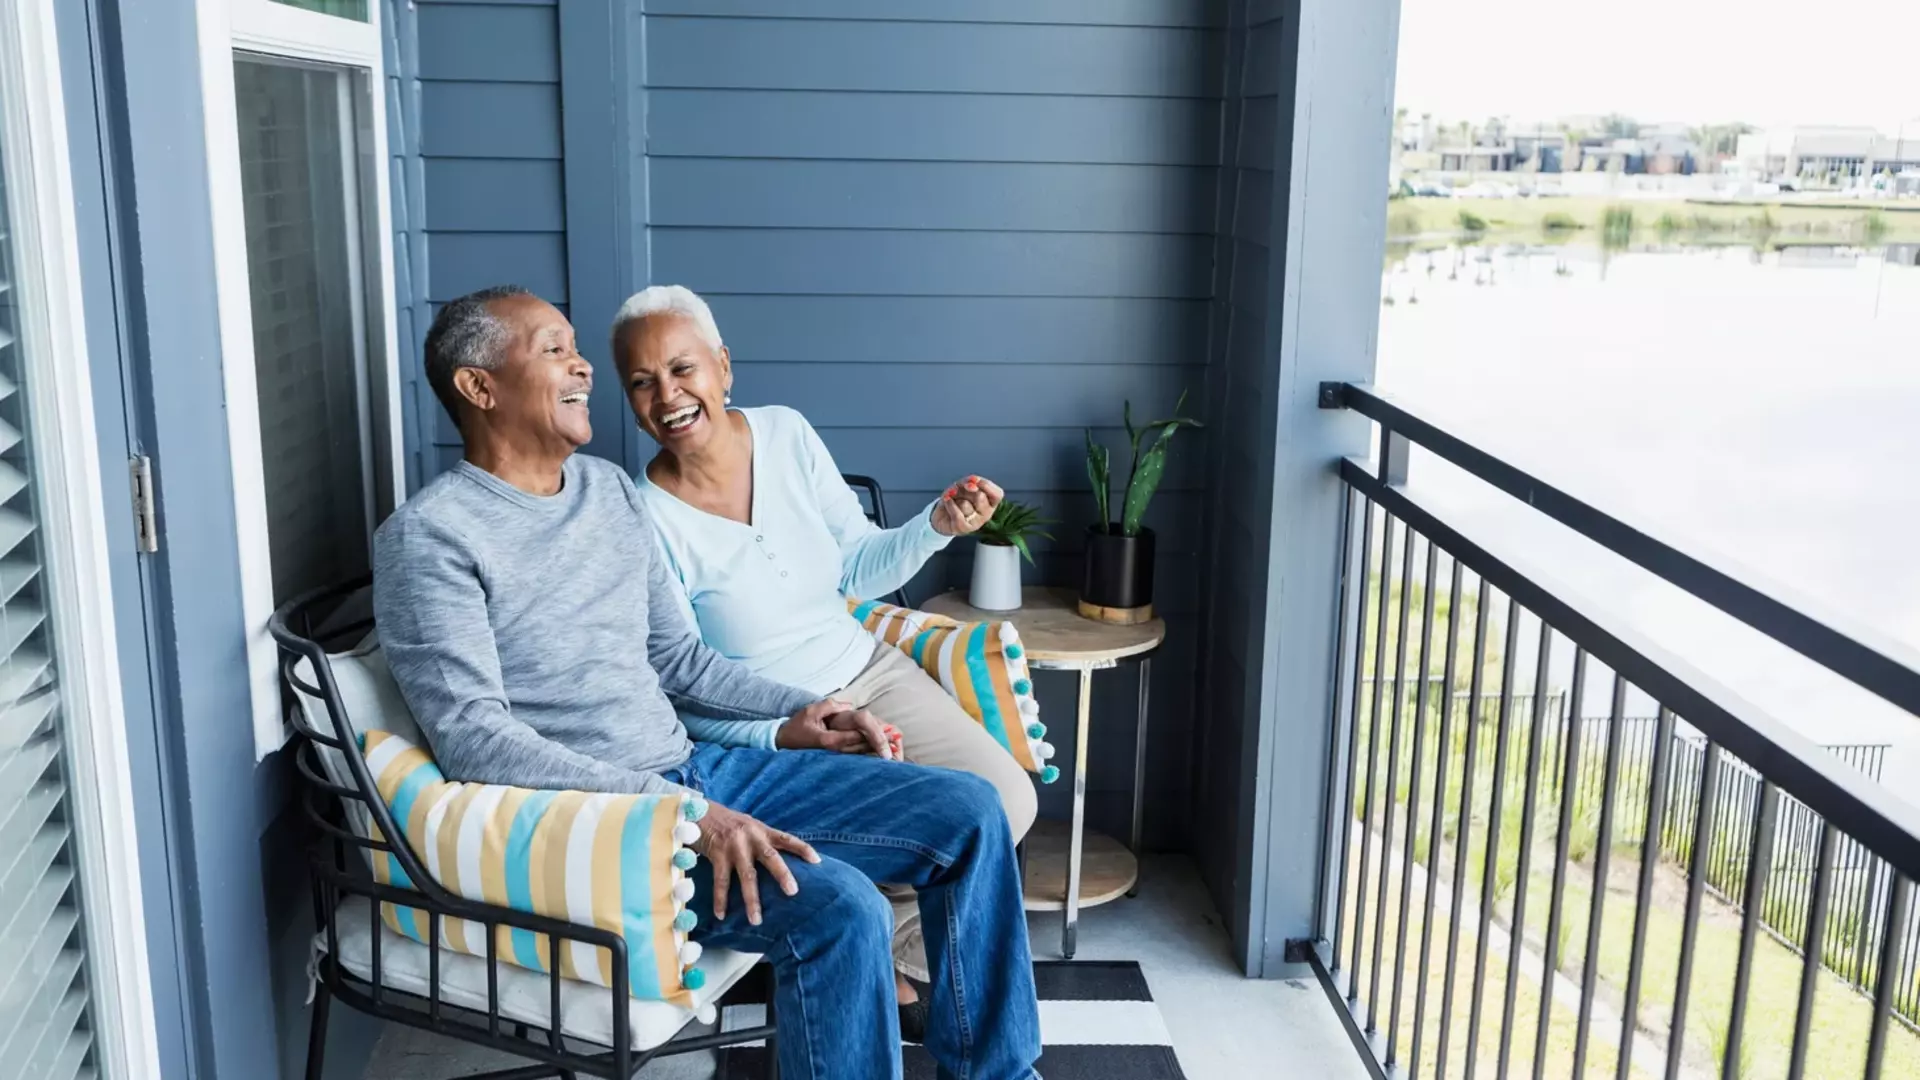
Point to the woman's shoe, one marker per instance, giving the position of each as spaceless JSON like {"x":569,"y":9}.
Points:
{"x":914,"y":1017}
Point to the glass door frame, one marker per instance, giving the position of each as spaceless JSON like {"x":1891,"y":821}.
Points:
{"x":282,"y":32}
{"x":69,"y":477}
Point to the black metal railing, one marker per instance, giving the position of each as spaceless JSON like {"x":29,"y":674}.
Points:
{"x":1516,"y":884}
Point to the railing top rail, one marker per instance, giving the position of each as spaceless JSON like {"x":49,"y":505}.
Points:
{"x":1866,"y":657}
{"x":1859,"y":806}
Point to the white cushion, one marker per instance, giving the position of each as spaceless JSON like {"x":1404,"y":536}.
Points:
{"x":372,"y":701}
{"x":584,"y":1009}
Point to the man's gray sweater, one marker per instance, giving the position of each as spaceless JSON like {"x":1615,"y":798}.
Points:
{"x":537,"y":638}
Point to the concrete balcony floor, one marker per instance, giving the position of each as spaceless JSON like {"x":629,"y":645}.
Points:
{"x":1224,"y":1026}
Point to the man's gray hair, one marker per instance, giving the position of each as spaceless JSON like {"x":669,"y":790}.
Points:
{"x":666,"y":300}
{"x":466,"y":333}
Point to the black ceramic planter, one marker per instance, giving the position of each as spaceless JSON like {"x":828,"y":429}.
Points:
{"x":1119,"y":569}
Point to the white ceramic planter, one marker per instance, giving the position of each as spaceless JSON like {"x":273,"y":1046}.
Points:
{"x":996,"y":577}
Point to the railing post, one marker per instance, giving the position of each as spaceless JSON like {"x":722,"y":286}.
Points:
{"x":1395,"y":456}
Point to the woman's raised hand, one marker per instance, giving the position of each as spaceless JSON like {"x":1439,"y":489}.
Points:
{"x":966,"y":506}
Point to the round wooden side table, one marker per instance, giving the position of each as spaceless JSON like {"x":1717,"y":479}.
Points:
{"x":1057,"y":638}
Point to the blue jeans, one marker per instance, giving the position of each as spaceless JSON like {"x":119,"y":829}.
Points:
{"x":831,"y":945}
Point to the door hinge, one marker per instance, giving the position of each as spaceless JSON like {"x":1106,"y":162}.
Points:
{"x":146,"y":527}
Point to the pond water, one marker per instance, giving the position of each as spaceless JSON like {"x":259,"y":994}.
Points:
{"x":1761,"y":405}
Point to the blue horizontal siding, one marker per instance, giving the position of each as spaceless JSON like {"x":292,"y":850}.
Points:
{"x":493,"y":205}
{"x":494,"y":195}
{"x":465,"y":261}
{"x":1028,"y":459}
{"x":1191,"y":13}
{"x":805,"y":261}
{"x":483,"y":119}
{"x":981,"y":58}
{"x":489,"y":43}
{"x":976,"y":397}
{"x":932,"y":195}
{"x":961,"y":329}
{"x":932,"y":127}
{"x":954,"y":235}
{"x":1178,"y":534}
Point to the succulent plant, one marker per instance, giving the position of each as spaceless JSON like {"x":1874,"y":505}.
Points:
{"x":1143,"y":478}
{"x":1011,"y":524}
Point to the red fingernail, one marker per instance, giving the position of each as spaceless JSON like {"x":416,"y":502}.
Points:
{"x":952,"y":491}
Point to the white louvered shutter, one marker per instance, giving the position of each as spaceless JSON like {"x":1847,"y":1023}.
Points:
{"x":45,"y":1027}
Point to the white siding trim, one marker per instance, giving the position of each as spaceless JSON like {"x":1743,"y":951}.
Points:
{"x":262,"y":26}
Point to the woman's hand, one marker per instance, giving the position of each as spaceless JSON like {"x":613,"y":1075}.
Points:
{"x":966,"y":506}
{"x":839,"y":727}
{"x":734,"y":843}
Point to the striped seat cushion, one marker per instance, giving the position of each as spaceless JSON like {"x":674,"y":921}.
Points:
{"x":617,"y":862}
{"x":983,"y":666}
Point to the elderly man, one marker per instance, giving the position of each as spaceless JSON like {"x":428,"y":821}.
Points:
{"x":537,"y":639}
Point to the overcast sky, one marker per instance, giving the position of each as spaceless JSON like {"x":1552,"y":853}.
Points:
{"x":1766,"y":62}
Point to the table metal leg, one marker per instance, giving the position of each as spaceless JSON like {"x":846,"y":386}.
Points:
{"x":1140,"y":767}
{"x":1076,"y":842}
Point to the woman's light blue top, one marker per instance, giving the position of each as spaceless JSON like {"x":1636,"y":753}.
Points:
{"x":771,"y":593}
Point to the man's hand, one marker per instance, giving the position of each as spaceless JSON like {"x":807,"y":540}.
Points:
{"x":837,"y":726}
{"x":734,"y":843}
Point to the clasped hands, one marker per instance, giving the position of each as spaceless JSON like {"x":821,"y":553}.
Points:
{"x":740,"y":846}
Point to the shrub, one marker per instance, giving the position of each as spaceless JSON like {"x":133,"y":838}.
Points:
{"x":1558,"y":222}
{"x":1471,"y":222}
{"x":1616,"y":225}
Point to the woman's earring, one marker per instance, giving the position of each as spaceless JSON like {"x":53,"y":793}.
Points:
{"x":726,"y":399}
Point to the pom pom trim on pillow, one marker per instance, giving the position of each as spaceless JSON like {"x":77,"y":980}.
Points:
{"x":982,"y":665}
{"x":617,"y":862}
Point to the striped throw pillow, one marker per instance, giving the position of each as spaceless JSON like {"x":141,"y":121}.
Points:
{"x":617,"y":862}
{"x":983,"y":665}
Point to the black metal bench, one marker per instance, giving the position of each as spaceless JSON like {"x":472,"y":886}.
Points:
{"x":342,"y":803}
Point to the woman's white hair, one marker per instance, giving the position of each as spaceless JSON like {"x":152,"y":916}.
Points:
{"x":666,"y":300}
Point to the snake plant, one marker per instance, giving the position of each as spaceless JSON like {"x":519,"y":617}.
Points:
{"x":1143,"y":477}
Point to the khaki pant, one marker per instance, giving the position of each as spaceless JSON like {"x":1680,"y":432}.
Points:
{"x":936,"y":732}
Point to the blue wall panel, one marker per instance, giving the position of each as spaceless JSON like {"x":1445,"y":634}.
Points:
{"x":962,"y":329}
{"x":931,"y":195}
{"x":1241,"y":399}
{"x":936,"y":262}
{"x":489,"y":161}
{"x":490,"y":120}
{"x":933,"y":127}
{"x":906,"y":56}
{"x":954,"y":235}
{"x":1195,"y":13}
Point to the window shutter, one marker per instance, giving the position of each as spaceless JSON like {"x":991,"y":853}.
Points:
{"x":45,"y":1029}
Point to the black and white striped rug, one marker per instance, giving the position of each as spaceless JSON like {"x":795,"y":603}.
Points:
{"x":1098,"y":1021}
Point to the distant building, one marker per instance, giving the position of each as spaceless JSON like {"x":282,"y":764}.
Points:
{"x":1826,"y":156}
{"x":1668,"y":150}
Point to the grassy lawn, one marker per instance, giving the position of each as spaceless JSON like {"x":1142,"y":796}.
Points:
{"x":1601,"y":1056}
{"x":1841,"y":1015}
{"x":1858,"y":221}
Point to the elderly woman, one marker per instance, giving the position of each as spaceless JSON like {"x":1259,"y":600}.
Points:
{"x":757,"y":525}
